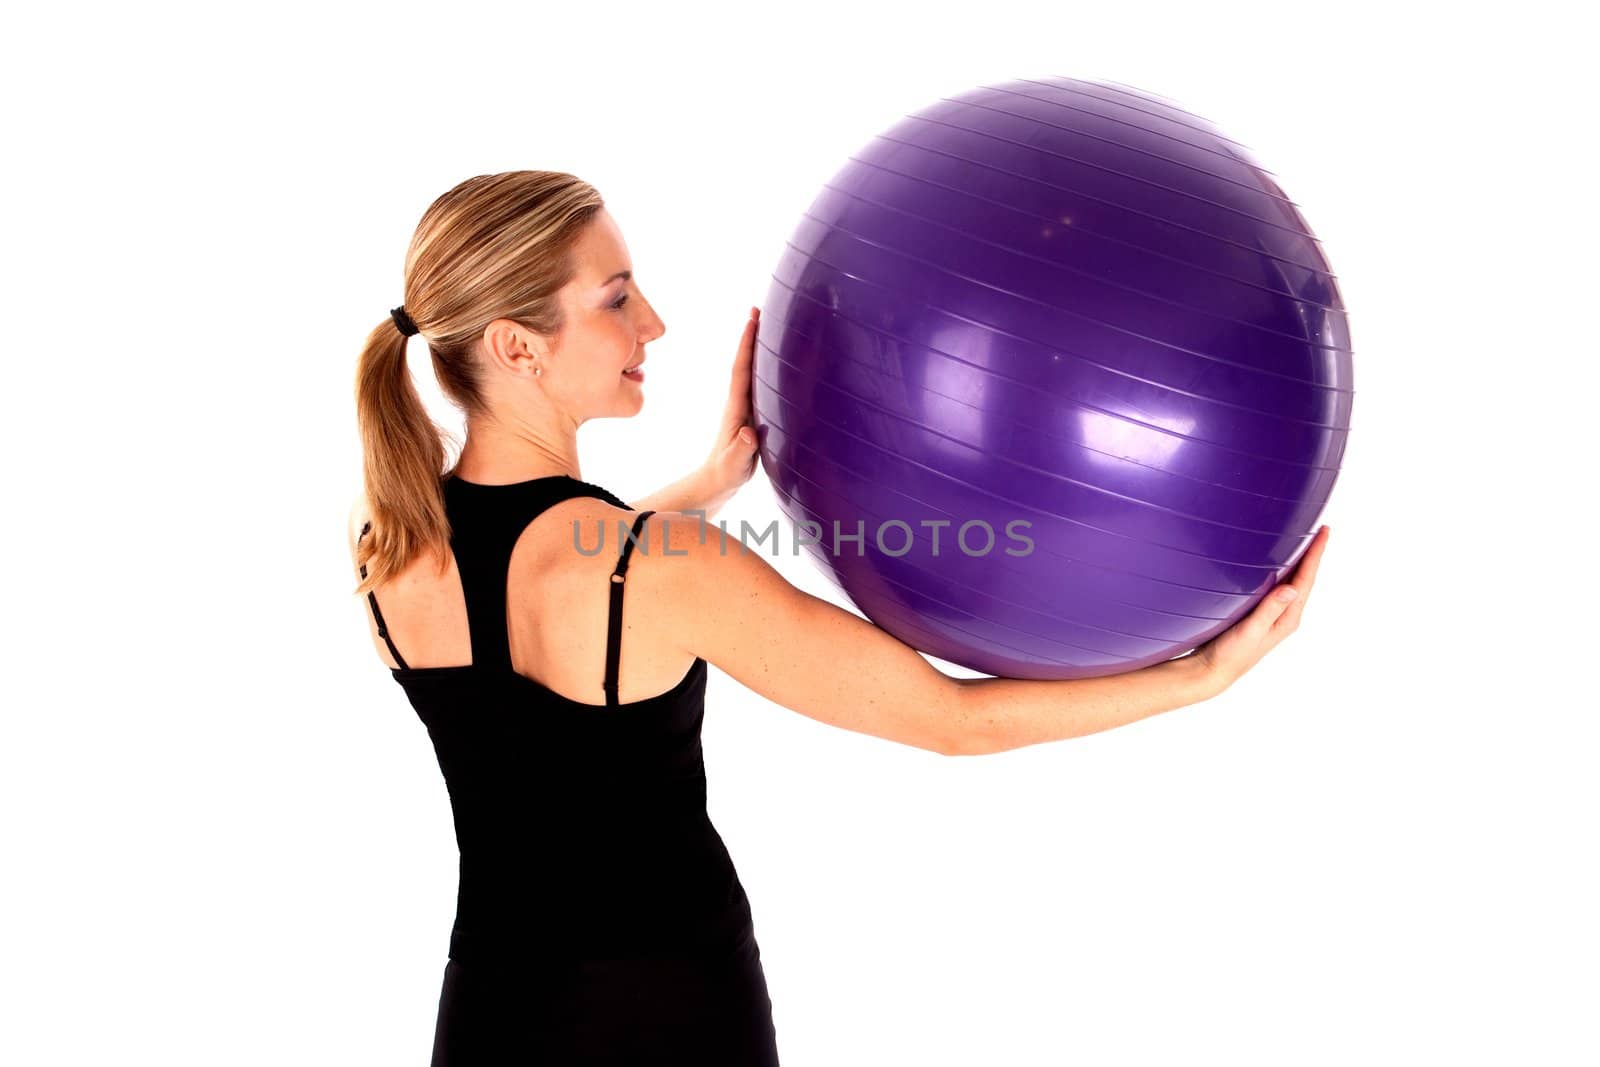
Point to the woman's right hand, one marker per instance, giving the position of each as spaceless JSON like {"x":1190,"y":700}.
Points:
{"x":1234,"y":651}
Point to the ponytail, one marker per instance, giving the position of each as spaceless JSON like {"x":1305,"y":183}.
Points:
{"x":402,"y":459}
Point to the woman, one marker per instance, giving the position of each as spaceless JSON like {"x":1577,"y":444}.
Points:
{"x":599,"y":917}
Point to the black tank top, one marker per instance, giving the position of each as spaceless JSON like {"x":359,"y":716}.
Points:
{"x":582,"y":827}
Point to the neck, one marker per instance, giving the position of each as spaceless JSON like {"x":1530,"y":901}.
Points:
{"x":496,"y":455}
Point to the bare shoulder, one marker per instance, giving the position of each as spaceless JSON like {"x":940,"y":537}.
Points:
{"x":725,"y":590}
{"x":704,"y":558}
{"x":678,"y":565}
{"x":585,"y":526}
{"x":595,"y":527}
{"x":575,"y":541}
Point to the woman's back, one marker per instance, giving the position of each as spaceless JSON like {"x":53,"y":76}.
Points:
{"x":588,"y":865}
{"x":555,"y":622}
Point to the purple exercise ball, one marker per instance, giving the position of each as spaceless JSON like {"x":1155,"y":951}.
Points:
{"x":1072,"y":366}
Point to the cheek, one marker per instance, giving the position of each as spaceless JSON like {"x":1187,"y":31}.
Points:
{"x":625,"y":345}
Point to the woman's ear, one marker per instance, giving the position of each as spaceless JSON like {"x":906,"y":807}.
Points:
{"x":514,"y":347}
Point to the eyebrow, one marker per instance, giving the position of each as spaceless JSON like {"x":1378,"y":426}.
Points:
{"x":625,"y":275}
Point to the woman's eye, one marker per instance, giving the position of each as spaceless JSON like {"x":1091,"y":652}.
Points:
{"x":621,"y":301}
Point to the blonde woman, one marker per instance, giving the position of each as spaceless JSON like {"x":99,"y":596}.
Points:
{"x":599,"y":917}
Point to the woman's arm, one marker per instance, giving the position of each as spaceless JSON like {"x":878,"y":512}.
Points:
{"x":999,"y":714}
{"x":687,"y":495}
{"x":836,"y":667}
{"x":692,"y":492}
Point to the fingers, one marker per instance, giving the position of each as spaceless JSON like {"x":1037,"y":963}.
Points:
{"x":744,"y":358}
{"x":1305,"y":572}
{"x":1305,"y":576}
{"x":737,"y":411}
{"x":1274,"y":617}
{"x":1307,"y":567}
{"x":747,"y":341}
{"x":1273,"y":608}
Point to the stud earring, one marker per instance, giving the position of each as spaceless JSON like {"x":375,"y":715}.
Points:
{"x":537,"y":371}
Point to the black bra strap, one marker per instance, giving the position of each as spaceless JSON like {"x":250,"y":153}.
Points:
{"x":383,"y":631}
{"x":614,"y":631}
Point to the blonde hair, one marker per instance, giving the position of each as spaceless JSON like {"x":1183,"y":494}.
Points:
{"x":497,"y":246}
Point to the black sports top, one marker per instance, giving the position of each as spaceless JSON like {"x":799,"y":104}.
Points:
{"x":582,"y":828}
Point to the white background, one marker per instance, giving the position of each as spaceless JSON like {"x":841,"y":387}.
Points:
{"x":225,"y":836}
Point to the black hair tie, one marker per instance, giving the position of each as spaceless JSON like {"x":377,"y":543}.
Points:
{"x":403,"y":321}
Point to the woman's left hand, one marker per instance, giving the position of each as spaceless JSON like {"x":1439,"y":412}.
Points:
{"x":733,"y":454}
